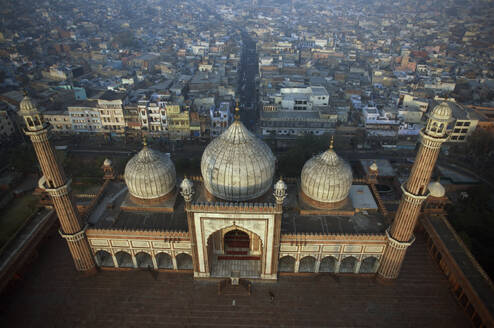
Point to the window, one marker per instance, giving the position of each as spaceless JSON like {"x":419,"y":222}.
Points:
{"x":459,"y":123}
{"x":461,"y":138}
{"x":467,"y":124}
{"x":464,"y":130}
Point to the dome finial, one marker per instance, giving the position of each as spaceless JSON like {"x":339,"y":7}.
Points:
{"x":144,"y":142}
{"x":331,"y":143}
{"x":237,"y":111}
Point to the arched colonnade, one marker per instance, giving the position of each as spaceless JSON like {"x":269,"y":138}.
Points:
{"x":142,"y":259}
{"x":348,"y":264}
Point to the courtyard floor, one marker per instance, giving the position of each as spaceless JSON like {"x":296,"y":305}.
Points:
{"x":53,"y":295}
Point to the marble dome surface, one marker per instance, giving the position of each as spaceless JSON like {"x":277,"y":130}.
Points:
{"x":326,"y":178}
{"x":441,"y":112}
{"x":150,"y":174}
{"x":374,"y":166}
{"x":237,"y":166}
{"x":436,"y":189}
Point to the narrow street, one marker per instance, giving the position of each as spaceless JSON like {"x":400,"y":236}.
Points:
{"x":247,"y":82}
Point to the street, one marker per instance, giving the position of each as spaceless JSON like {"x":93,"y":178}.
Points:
{"x":247,"y":82}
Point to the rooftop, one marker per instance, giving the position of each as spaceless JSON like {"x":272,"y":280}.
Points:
{"x":319,"y":222}
{"x":291,"y":115}
{"x":108,"y":213}
{"x":480,"y":283}
{"x":53,"y":294}
{"x":384,"y":166}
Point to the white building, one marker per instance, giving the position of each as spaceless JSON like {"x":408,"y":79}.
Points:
{"x":85,"y":118}
{"x":110,"y":106}
{"x":152,"y":114}
{"x":221,"y":119}
{"x":303,"y":98}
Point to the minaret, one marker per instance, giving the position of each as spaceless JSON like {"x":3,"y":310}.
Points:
{"x":279,"y":193}
{"x":187,"y":192}
{"x":415,"y":191}
{"x":58,"y":187}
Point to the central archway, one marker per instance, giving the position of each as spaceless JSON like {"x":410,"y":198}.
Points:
{"x":236,"y":239}
{"x":234,"y":250}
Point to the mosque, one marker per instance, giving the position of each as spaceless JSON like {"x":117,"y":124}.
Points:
{"x":237,"y":219}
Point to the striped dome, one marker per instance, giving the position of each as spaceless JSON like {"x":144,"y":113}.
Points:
{"x":237,"y":166}
{"x":150,"y":174}
{"x":326,"y":178}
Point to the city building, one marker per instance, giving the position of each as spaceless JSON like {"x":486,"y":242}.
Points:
{"x":59,"y":120}
{"x":7,"y":126}
{"x":110,"y":106}
{"x":153,"y":117}
{"x":296,"y":123}
{"x":178,"y":121}
{"x":303,"y":98}
{"x":220,"y":119}
{"x":85,"y":117}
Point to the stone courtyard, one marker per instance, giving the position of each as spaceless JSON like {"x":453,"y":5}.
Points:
{"x":52,"y":295}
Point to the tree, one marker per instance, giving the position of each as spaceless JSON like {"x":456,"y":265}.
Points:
{"x":22,"y":159}
{"x":125,"y":39}
{"x":473,"y":219}
{"x":291,"y":162}
{"x":481,"y":143}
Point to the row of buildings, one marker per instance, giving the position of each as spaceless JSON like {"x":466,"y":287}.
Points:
{"x":328,"y":69}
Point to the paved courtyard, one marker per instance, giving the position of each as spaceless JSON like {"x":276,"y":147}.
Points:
{"x":52,"y":294}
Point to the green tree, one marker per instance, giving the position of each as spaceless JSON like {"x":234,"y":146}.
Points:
{"x":291,"y":162}
{"x":473,"y":219}
{"x":23,"y":159}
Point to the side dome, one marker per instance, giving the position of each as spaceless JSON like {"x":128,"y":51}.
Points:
{"x":237,"y":166}
{"x":150,"y":175}
{"x":326,"y":178}
{"x":374,"y":166}
{"x":436,"y":189}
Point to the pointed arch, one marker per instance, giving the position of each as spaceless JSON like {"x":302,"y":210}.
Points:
{"x":286,"y":264}
{"x":29,"y":121}
{"x":307,"y":264}
{"x":328,"y":264}
{"x":144,"y":260}
{"x":124,"y":260}
{"x":164,"y":260}
{"x":348,"y":264}
{"x":184,"y":261}
{"x":104,"y":259}
{"x":369,"y":265}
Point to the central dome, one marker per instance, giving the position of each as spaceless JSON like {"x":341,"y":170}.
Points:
{"x":237,"y":165}
{"x":150,"y":175}
{"x":326,"y":178}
